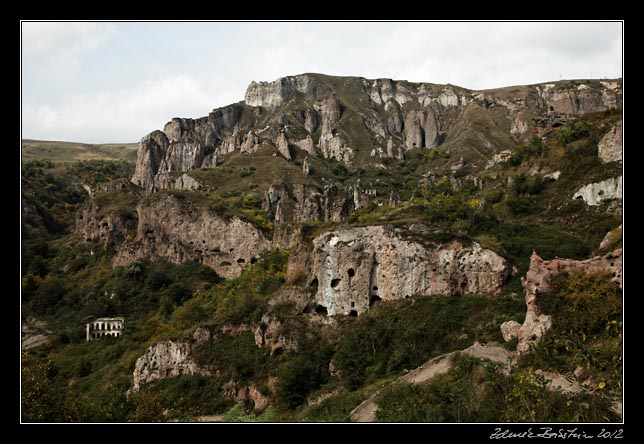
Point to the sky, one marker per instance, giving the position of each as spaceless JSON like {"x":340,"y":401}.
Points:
{"x":115,"y":82}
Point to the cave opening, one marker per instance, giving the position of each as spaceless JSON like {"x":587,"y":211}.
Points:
{"x":353,"y":313}
{"x":335,"y":282}
{"x":351,"y":272}
{"x":321,"y":310}
{"x":278,"y":351}
{"x":375,"y":298}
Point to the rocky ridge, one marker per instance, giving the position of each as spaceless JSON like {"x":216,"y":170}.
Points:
{"x":339,"y":117}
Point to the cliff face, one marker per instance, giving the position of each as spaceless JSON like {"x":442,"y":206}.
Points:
{"x":349,"y":118}
{"x":537,"y":280}
{"x":354,"y":267}
{"x":181,"y":230}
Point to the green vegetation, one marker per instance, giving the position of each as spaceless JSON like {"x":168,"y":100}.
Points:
{"x":527,"y":151}
{"x":586,"y":331}
{"x":575,"y":130}
{"x":383,"y":343}
{"x":95,"y":172}
{"x":318,"y":372}
{"x":475,"y":391}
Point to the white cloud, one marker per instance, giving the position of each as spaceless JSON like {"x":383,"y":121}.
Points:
{"x":62,"y":44}
{"x":122,"y":116}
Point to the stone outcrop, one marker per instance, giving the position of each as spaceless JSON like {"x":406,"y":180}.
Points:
{"x":306,"y":203}
{"x":537,"y":280}
{"x":185,"y":182}
{"x":274,"y":94}
{"x":180,"y":230}
{"x":109,"y":227}
{"x":282,"y":146}
{"x":611,"y":238}
{"x":353,"y":267}
{"x":306,"y":144}
{"x":34,"y":333}
{"x":251,"y":143}
{"x":268,"y":334}
{"x":510,"y":330}
{"x":593,"y":194}
{"x":164,"y":360}
{"x":421,"y":129}
{"x":610,"y":146}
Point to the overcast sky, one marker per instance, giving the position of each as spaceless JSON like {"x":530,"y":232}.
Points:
{"x":106,"y":82}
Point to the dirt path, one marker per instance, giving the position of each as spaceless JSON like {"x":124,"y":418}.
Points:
{"x":366,"y":410}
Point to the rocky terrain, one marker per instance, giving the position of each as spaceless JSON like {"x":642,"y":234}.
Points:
{"x":304,"y":248}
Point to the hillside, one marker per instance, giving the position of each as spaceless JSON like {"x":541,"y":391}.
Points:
{"x":289,"y":256}
{"x":72,"y":151}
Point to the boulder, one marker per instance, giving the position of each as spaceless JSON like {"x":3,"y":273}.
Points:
{"x":163,"y":360}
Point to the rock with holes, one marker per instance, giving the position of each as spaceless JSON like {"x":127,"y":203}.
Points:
{"x":163,"y":360}
{"x":269,"y":334}
{"x":593,"y":194}
{"x":537,"y":280}
{"x":180,"y":229}
{"x":351,"y":268}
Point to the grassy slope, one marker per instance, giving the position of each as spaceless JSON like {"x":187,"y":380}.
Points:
{"x":74,"y":151}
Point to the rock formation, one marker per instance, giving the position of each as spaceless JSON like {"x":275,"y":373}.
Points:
{"x":187,"y":144}
{"x":353,"y":267}
{"x":110,"y":227}
{"x":593,"y":194}
{"x":282,"y":145}
{"x":180,"y":230}
{"x":510,"y":330}
{"x":164,"y":360}
{"x":268,"y":334}
{"x":537,"y":280}
{"x":610,"y":146}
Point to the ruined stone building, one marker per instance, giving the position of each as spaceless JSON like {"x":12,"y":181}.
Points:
{"x":97,"y":328}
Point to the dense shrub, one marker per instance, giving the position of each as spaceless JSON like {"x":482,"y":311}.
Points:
{"x":572,"y":131}
{"x":586,"y":311}
{"x":461,"y":395}
{"x":532,"y":149}
{"x":520,"y":205}
{"x":234,"y":358}
{"x":380,"y":344}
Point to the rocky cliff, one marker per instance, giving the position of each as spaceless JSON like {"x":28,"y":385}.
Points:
{"x":354,"y":267}
{"x":180,"y":229}
{"x":349,"y":118}
{"x":537,"y":280}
